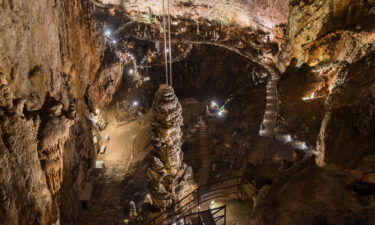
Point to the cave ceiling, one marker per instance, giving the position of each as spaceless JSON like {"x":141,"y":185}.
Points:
{"x":250,"y":28}
{"x":258,"y":14}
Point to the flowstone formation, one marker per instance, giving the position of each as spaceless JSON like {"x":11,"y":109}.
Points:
{"x":53,"y":136}
{"x":167,"y":172}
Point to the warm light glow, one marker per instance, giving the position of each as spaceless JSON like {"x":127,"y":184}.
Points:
{"x":312,"y":96}
{"x":213,"y":104}
{"x":97,"y":111}
{"x":131,"y":71}
{"x":212,"y":202}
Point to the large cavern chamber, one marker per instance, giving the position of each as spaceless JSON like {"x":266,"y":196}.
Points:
{"x":187,"y":112}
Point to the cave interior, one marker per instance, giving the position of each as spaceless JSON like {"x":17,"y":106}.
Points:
{"x":187,"y":112}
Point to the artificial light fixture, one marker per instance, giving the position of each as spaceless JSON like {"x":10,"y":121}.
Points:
{"x":135,"y":103}
{"x":107,"y":33}
{"x":312,"y":96}
{"x":213,"y":104}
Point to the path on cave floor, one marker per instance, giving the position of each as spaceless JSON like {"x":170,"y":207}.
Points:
{"x":238,"y":212}
{"x":120,"y":151}
{"x":120,"y":178}
{"x":270,"y":114}
{"x":270,"y":118}
{"x":204,"y":153}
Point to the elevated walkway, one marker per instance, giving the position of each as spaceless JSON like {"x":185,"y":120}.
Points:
{"x":267,"y":128}
{"x":194,"y":208}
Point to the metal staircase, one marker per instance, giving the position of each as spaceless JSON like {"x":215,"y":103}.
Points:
{"x":194,"y":208}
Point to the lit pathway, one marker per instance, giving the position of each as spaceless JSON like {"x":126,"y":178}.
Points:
{"x":204,"y":154}
{"x":267,"y":128}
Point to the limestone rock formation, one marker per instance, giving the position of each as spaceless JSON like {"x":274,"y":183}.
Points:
{"x":49,"y":49}
{"x":255,"y":13}
{"x":329,"y":30}
{"x":167,"y":172}
{"x":53,"y":136}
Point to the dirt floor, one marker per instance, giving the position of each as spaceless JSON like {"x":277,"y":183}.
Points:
{"x":123,"y":177}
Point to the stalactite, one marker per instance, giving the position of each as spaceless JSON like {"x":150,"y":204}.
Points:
{"x":167,"y":172}
{"x":53,"y":136}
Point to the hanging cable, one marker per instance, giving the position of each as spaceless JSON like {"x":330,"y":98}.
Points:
{"x":170,"y":44}
{"x":165,"y":44}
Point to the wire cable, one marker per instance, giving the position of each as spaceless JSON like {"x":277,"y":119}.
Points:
{"x":170,"y":45}
{"x":165,"y":44}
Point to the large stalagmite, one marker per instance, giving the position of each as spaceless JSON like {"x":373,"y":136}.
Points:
{"x":167,"y":172}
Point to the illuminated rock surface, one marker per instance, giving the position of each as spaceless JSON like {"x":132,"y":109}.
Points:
{"x":296,"y":80}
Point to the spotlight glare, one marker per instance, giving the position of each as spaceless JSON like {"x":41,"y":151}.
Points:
{"x":107,"y":33}
{"x":135,"y":103}
{"x":213,"y":104}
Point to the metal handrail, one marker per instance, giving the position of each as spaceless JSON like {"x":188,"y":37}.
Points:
{"x":197,"y":199}
{"x":213,"y":212}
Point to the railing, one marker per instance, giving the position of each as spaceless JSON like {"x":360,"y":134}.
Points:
{"x":192,"y":202}
{"x":215,"y":216}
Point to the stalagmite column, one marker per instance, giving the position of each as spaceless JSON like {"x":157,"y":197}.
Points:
{"x":167,"y":172}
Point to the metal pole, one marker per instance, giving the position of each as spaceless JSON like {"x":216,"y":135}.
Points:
{"x":225,"y":214}
{"x":198,"y":200}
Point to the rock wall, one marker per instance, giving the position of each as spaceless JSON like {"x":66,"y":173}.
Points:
{"x":255,"y":13}
{"x":332,"y":43}
{"x":326,"y":99}
{"x":346,"y":134}
{"x":50,"y":55}
{"x":320,"y":31}
{"x":307,"y":194}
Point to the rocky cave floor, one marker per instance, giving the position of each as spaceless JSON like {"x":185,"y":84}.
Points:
{"x":123,"y":177}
